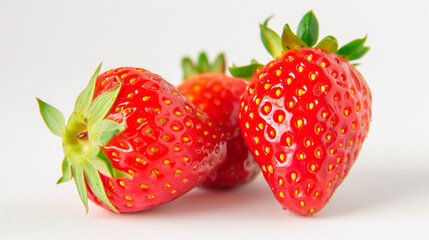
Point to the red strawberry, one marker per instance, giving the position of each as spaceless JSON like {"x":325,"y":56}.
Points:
{"x":134,"y":142}
{"x":305,"y":115}
{"x":211,"y":90}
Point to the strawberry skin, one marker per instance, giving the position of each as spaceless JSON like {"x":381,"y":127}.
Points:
{"x":305,"y":117}
{"x":165,"y":146}
{"x":219,"y":96}
{"x":306,"y":114}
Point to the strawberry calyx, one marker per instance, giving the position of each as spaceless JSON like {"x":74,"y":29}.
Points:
{"x":306,"y":37}
{"x":203,"y":65}
{"x":86,"y":131}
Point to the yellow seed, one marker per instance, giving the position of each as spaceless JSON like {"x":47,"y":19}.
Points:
{"x":337,"y":160}
{"x":282,"y":157}
{"x":331,"y":151}
{"x":140,"y":120}
{"x":309,"y":58}
{"x":281,"y":181}
{"x":174,"y":191}
{"x":115,"y":154}
{"x":313,"y":76}
{"x":264,"y":168}
{"x":185,"y":159}
{"x":178,"y":171}
{"x":262,"y":75}
{"x":122,"y":183}
{"x":258,"y":101}
{"x":308,"y":185}
{"x":168,"y":102}
{"x":130,"y":95}
{"x":308,"y":142}
{"x":150,"y":196}
{"x":300,"y":68}
{"x":272,"y":133}
{"x":290,"y":104}
{"x":261,"y":126}
{"x":156,"y":172}
{"x":131,"y":172}
{"x":311,"y":210}
{"x":267,"y":109}
{"x":345,"y":159}
{"x":342,"y":130}
{"x":313,"y":167}
{"x":278,"y":72}
{"x":296,"y":192}
{"x":145,"y":98}
{"x":329,"y":184}
{"x":185,"y":139}
{"x":184,"y":180}
{"x":316,"y":193}
{"x":281,"y":118}
{"x":175,"y":128}
{"x":300,"y":92}
{"x":301,"y":156}
{"x":246,"y":108}
{"x":156,"y":110}
{"x":128,"y":198}
{"x":256,"y":152}
{"x":350,"y":142}
{"x":267,"y":149}
{"x":330,"y":167}
{"x":139,"y":160}
{"x":323,"y":88}
{"x":267,"y":86}
{"x":318,"y":129}
{"x":175,"y":94}
{"x":124,"y":75}
{"x":270,"y":168}
{"x":251,"y":115}
{"x":346,"y":112}
{"x":299,"y":123}
{"x":328,"y":137}
{"x":247,"y":125}
{"x":324,"y":114}
{"x":278,"y":92}
{"x":281,"y":194}
{"x":154,"y":149}
{"x":167,"y":185}
{"x":188,"y":124}
{"x":353,"y":126}
{"x":336,"y":177}
{"x":318,"y":153}
{"x":176,"y":149}
{"x":111,"y":184}
{"x":288,"y":140}
{"x":310,"y":105}
{"x":289,"y":81}
{"x":293,"y":176}
{"x":129,"y":205}
{"x":302,"y":203}
{"x":133,"y":80}
{"x":256,"y":140}
{"x":323,"y":64}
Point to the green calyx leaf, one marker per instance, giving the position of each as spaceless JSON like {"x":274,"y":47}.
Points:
{"x":67,"y":173}
{"x":354,"y":49}
{"x":86,"y":131}
{"x":203,"y":65}
{"x":103,"y":131}
{"x":308,"y":29}
{"x":53,"y":118}
{"x":85,"y":97}
{"x":271,"y":39}
{"x":329,"y":43}
{"x":290,"y":40}
{"x":102,"y":105}
{"x":245,"y":72}
{"x":307,"y":36}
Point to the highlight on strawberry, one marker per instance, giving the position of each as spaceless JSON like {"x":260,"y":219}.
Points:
{"x":305,"y":114}
{"x":134,"y":142}
{"x":217,"y":94}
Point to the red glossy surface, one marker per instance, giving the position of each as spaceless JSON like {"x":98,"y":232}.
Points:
{"x":219,"y":96}
{"x":305,"y":117}
{"x":168,"y":147}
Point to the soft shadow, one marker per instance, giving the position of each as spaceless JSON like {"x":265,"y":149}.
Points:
{"x":368,"y":188}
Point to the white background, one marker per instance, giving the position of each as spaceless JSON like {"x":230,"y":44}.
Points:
{"x":49,"y":49}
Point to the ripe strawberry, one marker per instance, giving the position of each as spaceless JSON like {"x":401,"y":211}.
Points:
{"x":211,"y":90}
{"x":305,"y":115}
{"x":134,"y":142}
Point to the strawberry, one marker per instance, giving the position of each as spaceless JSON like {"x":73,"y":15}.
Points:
{"x":305,"y":114}
{"x":134,"y":142}
{"x":211,"y":90}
